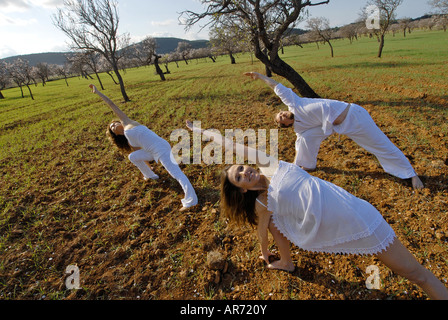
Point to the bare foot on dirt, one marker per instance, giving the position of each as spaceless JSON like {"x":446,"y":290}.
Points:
{"x":282,"y":265}
{"x":417,"y":183}
{"x":154,"y":177}
{"x":183,"y":209}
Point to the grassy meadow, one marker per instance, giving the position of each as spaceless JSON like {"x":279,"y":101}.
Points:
{"x":67,"y":197}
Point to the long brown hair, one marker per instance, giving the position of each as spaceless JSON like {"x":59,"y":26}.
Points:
{"x":237,"y":206}
{"x":119,"y":141}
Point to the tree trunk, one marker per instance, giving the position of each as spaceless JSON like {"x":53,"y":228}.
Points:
{"x":278,"y":66}
{"x":120,"y":80}
{"x":99,"y":80}
{"x":232,"y":58}
{"x":31,"y":94}
{"x":331,"y":47}
{"x":112,"y":76}
{"x":158,"y":70}
{"x":268,"y":72}
{"x":380,"y":51}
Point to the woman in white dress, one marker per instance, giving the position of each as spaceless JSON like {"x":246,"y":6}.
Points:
{"x":313,"y":214}
{"x":146,"y":146}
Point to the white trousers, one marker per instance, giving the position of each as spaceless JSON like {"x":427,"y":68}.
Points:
{"x":360,"y":127}
{"x":139,"y":157}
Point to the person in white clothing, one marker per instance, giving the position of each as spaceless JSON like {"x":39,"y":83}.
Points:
{"x":314,"y":214}
{"x":145,"y":146}
{"x":314,"y":120}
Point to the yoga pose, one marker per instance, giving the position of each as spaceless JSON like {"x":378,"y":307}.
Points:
{"x":314,"y":120}
{"x":146,"y":146}
{"x":313,"y":214}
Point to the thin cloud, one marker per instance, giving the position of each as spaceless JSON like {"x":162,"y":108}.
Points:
{"x":165,"y":23}
{"x":9,"y":21}
{"x":14,"y":5}
{"x":25,"y":5}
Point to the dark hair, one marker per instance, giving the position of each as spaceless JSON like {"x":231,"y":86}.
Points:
{"x":119,"y":141}
{"x":281,"y":125}
{"x":237,"y":206}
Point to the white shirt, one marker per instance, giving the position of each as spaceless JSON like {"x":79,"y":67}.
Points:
{"x":141,"y":137}
{"x":310,"y":113}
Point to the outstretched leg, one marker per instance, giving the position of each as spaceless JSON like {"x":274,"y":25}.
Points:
{"x":307,"y":148}
{"x":401,"y":261}
{"x":360,"y":127}
{"x":170,"y":164}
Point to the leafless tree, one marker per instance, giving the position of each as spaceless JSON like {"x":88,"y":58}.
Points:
{"x":77,"y":66}
{"x":226,"y":39}
{"x":266,"y":21}
{"x":42,"y":71}
{"x":92,"y":25}
{"x":405,"y":25}
{"x":206,"y":52}
{"x":440,"y":5}
{"x":388,"y":10}
{"x":93,"y":60}
{"x":165,"y":60}
{"x":63,"y":71}
{"x":4,"y":78}
{"x":321,"y":28}
{"x":350,"y":31}
{"x":20,"y":73}
{"x":145,"y":53}
{"x":174,"y":57}
{"x":184,"y":48}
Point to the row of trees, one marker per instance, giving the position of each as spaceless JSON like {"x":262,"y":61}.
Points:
{"x":20,"y":73}
{"x":320,"y":30}
{"x":265,"y":25}
{"x":259,"y":26}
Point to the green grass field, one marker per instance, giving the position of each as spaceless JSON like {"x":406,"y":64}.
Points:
{"x":62,"y":181}
{"x":415,"y":63}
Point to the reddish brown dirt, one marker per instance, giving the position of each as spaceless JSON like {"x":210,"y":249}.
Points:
{"x":130,"y":241}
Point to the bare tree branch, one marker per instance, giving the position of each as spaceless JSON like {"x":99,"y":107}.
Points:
{"x":266,"y":21}
{"x":92,"y":26}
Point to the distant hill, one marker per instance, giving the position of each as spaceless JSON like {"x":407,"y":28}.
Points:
{"x":48,"y":57}
{"x":165,"y":45}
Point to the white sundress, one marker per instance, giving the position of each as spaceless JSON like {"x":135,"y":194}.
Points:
{"x":319,"y":216}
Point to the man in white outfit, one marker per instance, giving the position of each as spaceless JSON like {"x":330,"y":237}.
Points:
{"x":314,"y":120}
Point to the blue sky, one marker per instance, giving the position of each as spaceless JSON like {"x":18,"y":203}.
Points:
{"x":26,"y":25}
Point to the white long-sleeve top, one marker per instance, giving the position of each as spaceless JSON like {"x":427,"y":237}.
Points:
{"x":142,"y":137}
{"x":309,"y":112}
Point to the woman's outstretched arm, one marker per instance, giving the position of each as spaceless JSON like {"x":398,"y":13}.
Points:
{"x":120,"y":114}
{"x":258,"y":76}
{"x":261,"y":158}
